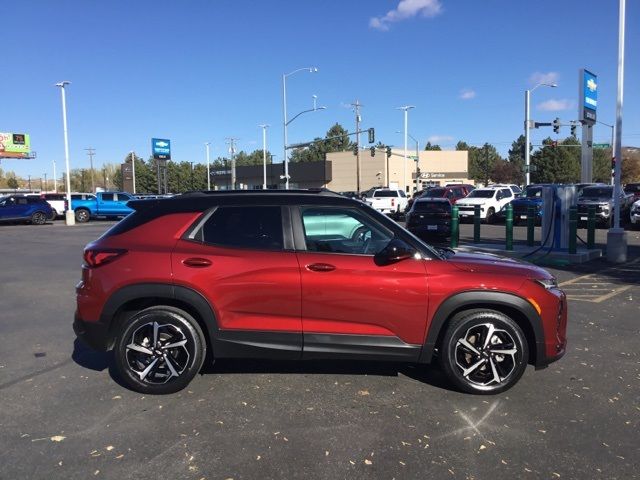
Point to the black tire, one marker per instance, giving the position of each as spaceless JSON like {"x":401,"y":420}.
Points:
{"x":493,"y":372}
{"x":161,"y":370}
{"x":490,"y":218}
{"x":38,"y":218}
{"x":82,"y":215}
{"x":54,"y":215}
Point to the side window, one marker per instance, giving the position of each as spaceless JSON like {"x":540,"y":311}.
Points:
{"x":108,"y":197}
{"x":123,"y":198}
{"x":506,"y":193}
{"x":245,"y":227}
{"x":402,"y":194}
{"x":22,"y":201}
{"x":342,"y":230}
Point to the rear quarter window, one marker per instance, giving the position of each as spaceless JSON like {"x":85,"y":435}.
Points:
{"x":253,"y":227}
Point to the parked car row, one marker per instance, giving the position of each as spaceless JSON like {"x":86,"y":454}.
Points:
{"x":38,"y":208}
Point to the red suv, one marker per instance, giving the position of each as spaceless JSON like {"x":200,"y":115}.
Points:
{"x":305,"y":275}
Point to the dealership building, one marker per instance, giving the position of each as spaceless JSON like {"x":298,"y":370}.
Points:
{"x":339,"y":171}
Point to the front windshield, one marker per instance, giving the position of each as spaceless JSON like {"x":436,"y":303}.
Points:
{"x":481,"y":194}
{"x":534,"y":192}
{"x":597,"y":192}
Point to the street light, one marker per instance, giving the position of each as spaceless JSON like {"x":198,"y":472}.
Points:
{"x":527,"y":95}
{"x":70,"y":218}
{"x":406,"y":109}
{"x":208,"y":166}
{"x":284,"y":116}
{"x":264,"y":127}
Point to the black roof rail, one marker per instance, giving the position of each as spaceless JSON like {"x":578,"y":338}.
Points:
{"x":204,"y":193}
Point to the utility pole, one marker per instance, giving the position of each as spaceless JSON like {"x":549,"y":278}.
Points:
{"x":133,"y":170}
{"x":55,"y":178}
{"x":191,"y":177}
{"x":46,"y":184}
{"x":486,"y":163}
{"x":29,"y":179}
{"x":356,"y":108}
{"x":232,"y":150}
{"x":91,"y":152}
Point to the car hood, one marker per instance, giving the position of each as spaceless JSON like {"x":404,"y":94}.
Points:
{"x":473,"y":201}
{"x":526,"y":201}
{"x":489,"y":263}
{"x":594,"y":201}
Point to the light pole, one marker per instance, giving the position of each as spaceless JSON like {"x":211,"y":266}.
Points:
{"x":284,"y":117}
{"x":613,"y":146}
{"x":133,"y":170}
{"x":406,"y":109}
{"x":417,"y":154}
{"x":55,"y":178}
{"x":527,"y":156}
{"x":70,"y":218}
{"x":264,"y":127}
{"x":208,"y":166}
{"x":616,"y":236}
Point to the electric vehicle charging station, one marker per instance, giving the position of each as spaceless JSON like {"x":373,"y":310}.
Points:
{"x":557,"y":200}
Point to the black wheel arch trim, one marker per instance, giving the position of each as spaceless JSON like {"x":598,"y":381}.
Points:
{"x":170,"y":292}
{"x":477,"y":299}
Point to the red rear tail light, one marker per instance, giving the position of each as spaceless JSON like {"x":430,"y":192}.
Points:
{"x":98,"y":257}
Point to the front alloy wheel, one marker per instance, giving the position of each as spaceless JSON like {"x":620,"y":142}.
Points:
{"x":38,"y":218}
{"x":484,"y":351}
{"x":160,"y":350}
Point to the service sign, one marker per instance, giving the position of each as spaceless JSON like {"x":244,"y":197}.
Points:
{"x":588,"y":103}
{"x":15,"y":145}
{"x":161,"y":148}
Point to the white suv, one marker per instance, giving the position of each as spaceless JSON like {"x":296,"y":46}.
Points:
{"x":491,"y":201}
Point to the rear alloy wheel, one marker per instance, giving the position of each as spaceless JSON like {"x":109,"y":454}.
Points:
{"x":82,"y":215}
{"x":484,"y":352}
{"x":159,"y":350}
{"x":38,"y":218}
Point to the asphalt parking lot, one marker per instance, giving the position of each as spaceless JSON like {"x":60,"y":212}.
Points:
{"x":64,"y":416}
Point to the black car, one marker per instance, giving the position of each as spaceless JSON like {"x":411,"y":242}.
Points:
{"x":430,"y":217}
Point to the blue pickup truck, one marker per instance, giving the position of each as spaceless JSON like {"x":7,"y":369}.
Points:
{"x":103,"y":204}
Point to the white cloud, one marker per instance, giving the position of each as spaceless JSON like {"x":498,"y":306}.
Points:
{"x":540,"y":77}
{"x":554,"y":105}
{"x":439,"y":139}
{"x":467,"y":94}
{"x":406,"y":9}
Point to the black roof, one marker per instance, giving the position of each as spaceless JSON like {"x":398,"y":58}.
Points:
{"x":203,"y":200}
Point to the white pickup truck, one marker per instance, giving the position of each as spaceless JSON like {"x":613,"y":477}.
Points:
{"x":391,"y":202}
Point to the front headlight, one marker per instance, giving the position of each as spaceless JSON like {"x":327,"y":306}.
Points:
{"x":547,"y":283}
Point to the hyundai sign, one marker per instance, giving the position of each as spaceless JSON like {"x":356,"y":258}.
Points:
{"x":588,"y":103}
{"x":161,"y":148}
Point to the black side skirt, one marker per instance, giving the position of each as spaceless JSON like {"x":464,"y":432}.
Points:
{"x":296,"y":346}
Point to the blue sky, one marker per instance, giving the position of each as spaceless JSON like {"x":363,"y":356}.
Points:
{"x":198,"y":71}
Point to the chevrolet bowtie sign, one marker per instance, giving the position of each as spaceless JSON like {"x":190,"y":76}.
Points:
{"x":588,"y":104}
{"x":161,"y":148}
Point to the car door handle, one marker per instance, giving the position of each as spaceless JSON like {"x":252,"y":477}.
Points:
{"x":321,"y":267}
{"x":196,"y":262}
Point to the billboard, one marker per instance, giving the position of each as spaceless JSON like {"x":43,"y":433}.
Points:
{"x":161,"y":148}
{"x":15,"y":145}
{"x":588,"y":101}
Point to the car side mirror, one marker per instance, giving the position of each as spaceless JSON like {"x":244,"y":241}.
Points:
{"x":395,"y":251}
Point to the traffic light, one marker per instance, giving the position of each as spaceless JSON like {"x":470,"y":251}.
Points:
{"x":613,"y":163}
{"x":373,"y":151}
{"x":355,"y":149}
{"x":372,"y":135}
{"x":388,"y":151}
{"x":573,"y":130}
{"x":556,"y":125}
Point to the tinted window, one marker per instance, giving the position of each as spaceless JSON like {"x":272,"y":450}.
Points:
{"x":506,"y":193}
{"x":385,"y":193}
{"x":597,"y":192}
{"x":481,"y":194}
{"x":245,"y":227}
{"x":21,"y":201}
{"x":632,"y":188}
{"x":432,"y":207}
{"x":108,"y":197}
{"x":341,"y":230}
{"x":534,"y":192}
{"x":123,"y":197}
{"x":434,"y":192}
{"x":54,"y":196}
